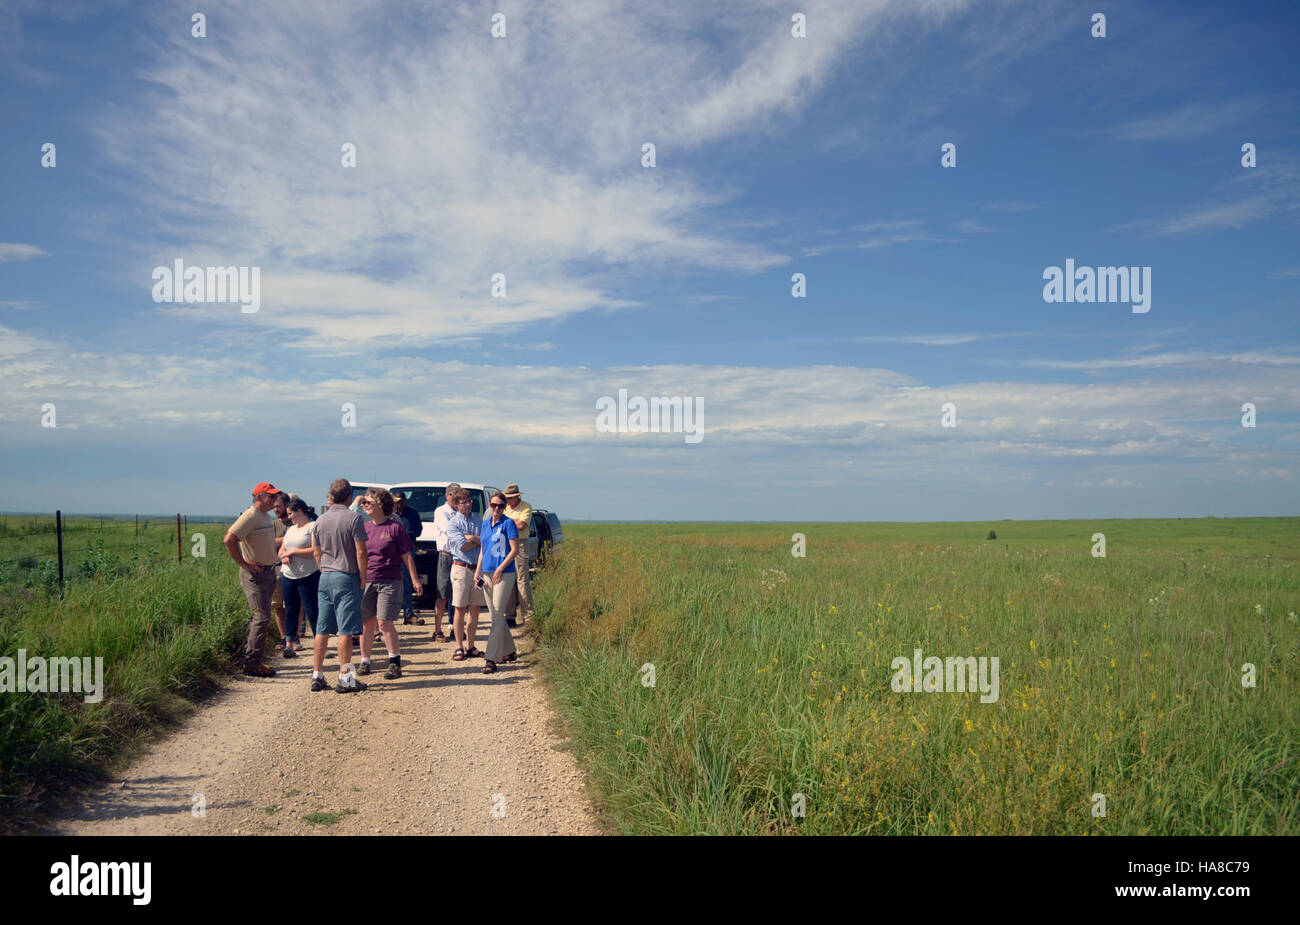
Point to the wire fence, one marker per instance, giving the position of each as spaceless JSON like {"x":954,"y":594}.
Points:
{"x":51,"y":550}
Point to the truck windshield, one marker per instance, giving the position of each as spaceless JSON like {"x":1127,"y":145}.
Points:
{"x":428,"y":500}
{"x":425,"y":501}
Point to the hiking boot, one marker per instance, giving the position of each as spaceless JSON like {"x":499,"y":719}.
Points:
{"x":319,"y":684}
{"x":394,"y":671}
{"x":259,"y":671}
{"x":363,"y":668}
{"x":355,"y":687}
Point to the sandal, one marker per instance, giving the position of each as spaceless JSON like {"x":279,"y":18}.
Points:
{"x":459,"y":656}
{"x":438,"y":637}
{"x":512,"y":657}
{"x":472,"y":652}
{"x":490,"y":667}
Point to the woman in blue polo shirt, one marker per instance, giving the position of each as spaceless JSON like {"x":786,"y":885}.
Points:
{"x":497,"y":550}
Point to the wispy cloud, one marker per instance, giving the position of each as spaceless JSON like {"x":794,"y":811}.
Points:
{"x":1157,"y":360}
{"x":1189,"y":121}
{"x":544,"y":345}
{"x":937,"y":340}
{"x":20,"y":252}
{"x":512,"y":156}
{"x":1269,"y":191}
{"x":1012,"y":205}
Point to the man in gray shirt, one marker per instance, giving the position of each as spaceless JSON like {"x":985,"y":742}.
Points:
{"x":339,"y":545}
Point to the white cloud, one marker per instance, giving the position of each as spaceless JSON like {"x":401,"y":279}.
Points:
{"x":20,"y":252}
{"x":1198,"y":359}
{"x":935,"y":340}
{"x":475,"y":155}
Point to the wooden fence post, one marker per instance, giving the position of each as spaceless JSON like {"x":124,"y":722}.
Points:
{"x":58,"y":528}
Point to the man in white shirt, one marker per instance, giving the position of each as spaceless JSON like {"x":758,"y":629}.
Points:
{"x":443,"y":580}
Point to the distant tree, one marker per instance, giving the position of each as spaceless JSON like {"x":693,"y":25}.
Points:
{"x":992,"y":535}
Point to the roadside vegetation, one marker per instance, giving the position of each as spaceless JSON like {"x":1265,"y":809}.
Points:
{"x":1120,"y":677}
{"x":163,"y":629}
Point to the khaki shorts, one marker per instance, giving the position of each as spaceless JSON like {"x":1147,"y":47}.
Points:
{"x":463,"y":592}
{"x":382,"y":599}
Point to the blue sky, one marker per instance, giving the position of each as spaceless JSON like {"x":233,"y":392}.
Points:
{"x":775,"y":155}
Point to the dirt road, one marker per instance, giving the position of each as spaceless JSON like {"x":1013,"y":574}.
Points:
{"x":444,"y":749}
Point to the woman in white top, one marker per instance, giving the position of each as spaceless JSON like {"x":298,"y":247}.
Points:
{"x":299,"y":574}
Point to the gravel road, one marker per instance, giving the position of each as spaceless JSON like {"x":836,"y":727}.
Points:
{"x":444,"y":749}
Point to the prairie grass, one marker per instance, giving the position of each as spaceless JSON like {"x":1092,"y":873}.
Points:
{"x":1120,"y":676}
{"x":164,"y":631}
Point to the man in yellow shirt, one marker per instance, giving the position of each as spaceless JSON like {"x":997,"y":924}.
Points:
{"x":521,"y":512}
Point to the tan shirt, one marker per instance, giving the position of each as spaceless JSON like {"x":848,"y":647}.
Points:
{"x":256,"y":534}
{"x":523,"y":518}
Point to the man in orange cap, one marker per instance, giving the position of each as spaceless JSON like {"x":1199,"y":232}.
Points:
{"x":251,"y":543}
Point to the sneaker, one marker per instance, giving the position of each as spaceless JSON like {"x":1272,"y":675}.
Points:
{"x":319,"y":684}
{"x":352,"y":689}
{"x":259,"y":671}
{"x":394,"y":671}
{"x":363,"y":668}
{"x":289,"y":653}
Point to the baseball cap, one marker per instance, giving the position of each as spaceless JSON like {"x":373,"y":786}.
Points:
{"x":267,"y":487}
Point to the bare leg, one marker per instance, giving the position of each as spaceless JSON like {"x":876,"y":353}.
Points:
{"x":345,"y":652}
{"x":459,"y":628}
{"x":389,"y":629}
{"x":368,"y":637}
{"x":472,"y":631}
{"x":320,"y":645}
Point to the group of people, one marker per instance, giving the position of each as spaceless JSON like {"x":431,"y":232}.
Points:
{"x":352,"y":576}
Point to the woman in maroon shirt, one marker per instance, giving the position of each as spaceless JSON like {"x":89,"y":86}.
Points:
{"x":388,"y":548}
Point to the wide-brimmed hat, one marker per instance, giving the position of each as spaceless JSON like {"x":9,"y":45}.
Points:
{"x":512,"y":491}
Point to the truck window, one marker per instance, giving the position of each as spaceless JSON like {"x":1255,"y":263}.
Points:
{"x":425,"y":501}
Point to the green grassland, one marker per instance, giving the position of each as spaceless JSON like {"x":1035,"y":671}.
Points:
{"x":163,"y":628}
{"x":1119,"y":676}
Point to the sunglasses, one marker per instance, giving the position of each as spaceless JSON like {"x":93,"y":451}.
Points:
{"x":495,"y":504}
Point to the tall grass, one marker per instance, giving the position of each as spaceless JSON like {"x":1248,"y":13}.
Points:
{"x":1120,"y":676}
{"x":162,"y":629}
